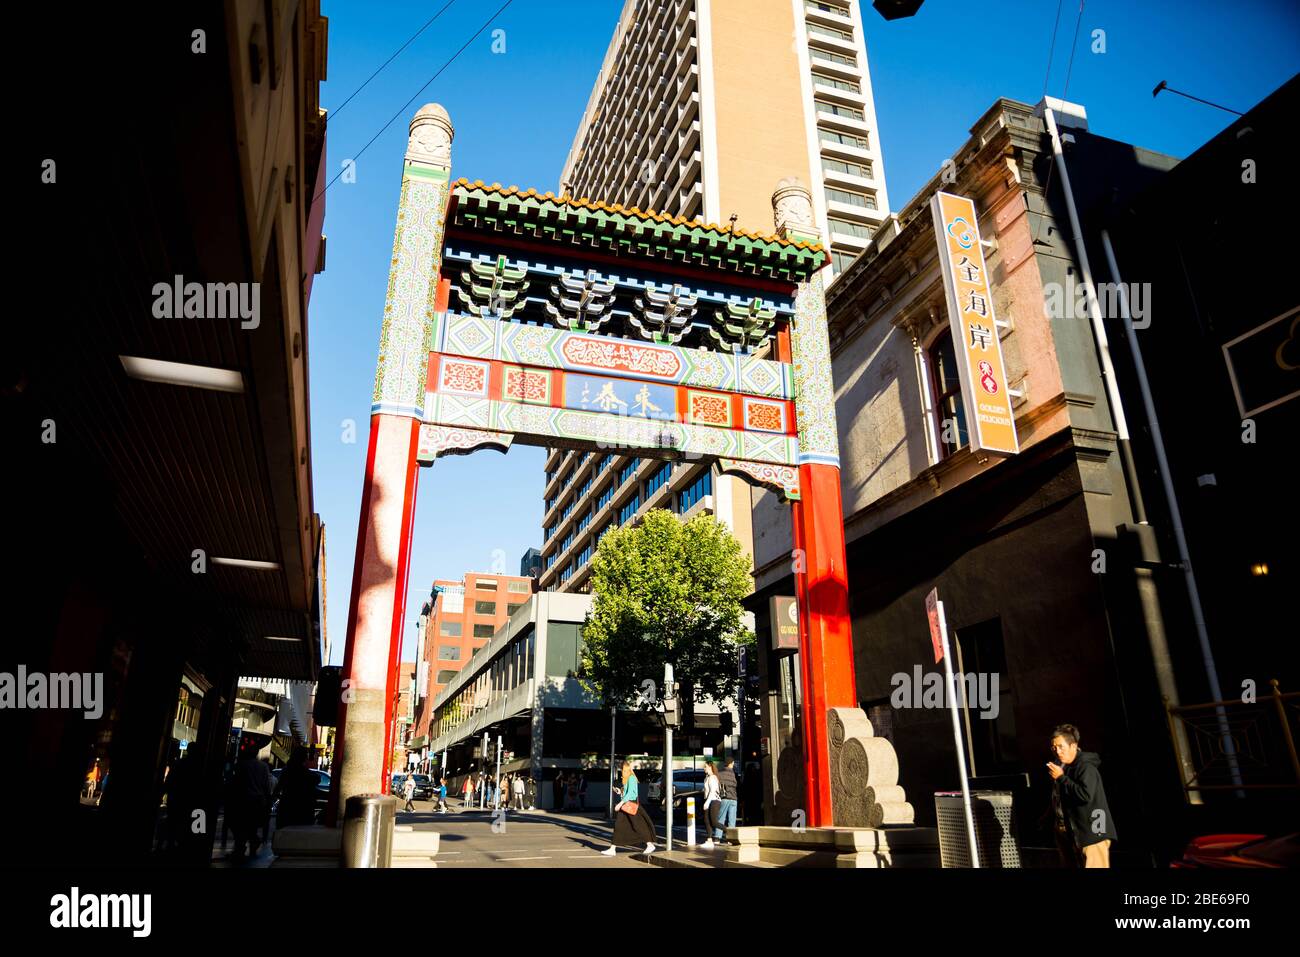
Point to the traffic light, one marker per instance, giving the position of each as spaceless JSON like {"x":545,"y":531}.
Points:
{"x":672,"y":716}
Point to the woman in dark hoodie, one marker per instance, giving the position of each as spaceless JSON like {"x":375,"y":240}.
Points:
{"x":1080,"y":797}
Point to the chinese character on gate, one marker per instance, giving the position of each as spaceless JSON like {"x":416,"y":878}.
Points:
{"x":607,"y":399}
{"x":643,"y":403}
{"x":980,"y":336}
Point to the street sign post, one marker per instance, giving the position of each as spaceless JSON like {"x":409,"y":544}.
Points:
{"x":939,"y":637}
{"x":667,"y":788}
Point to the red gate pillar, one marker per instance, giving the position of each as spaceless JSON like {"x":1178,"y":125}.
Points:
{"x":821,"y":578}
{"x":377,"y":612}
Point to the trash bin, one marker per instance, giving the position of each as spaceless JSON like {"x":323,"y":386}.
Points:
{"x":368,"y":830}
{"x":995,"y":829}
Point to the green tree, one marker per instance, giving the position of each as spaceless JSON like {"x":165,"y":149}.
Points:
{"x":666,"y":591}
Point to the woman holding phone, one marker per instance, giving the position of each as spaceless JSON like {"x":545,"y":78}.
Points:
{"x":632,"y":824}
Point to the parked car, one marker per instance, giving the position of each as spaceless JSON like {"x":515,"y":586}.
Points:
{"x":322,"y":790}
{"x":1241,"y":850}
{"x":423,"y":786}
{"x":687,"y":782}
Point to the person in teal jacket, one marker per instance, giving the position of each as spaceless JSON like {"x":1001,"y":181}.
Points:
{"x":632,"y":824}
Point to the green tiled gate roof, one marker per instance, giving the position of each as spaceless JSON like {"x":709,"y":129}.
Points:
{"x":629,"y":232}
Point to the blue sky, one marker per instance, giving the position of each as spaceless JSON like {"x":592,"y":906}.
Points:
{"x":515,"y":113}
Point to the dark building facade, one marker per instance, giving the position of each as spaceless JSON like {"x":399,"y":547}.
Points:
{"x":162,"y":491}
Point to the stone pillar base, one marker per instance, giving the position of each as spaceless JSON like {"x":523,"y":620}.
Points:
{"x":363,"y":736}
{"x":864,"y":774}
{"x":834,"y":847}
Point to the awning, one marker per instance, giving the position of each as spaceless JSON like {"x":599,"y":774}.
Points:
{"x":415,"y":744}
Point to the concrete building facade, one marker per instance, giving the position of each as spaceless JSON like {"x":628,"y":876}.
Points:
{"x":459,"y":618}
{"x":674,"y":123}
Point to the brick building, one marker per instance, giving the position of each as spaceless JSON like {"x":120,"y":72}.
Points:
{"x":458,"y":619}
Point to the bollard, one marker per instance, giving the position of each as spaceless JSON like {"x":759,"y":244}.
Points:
{"x":690,"y":822}
{"x":368,"y":830}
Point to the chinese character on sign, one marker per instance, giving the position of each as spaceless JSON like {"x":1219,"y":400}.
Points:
{"x":606,"y":399}
{"x":978,"y":304}
{"x":969,"y":271}
{"x":643,"y":403}
{"x":980,"y":336}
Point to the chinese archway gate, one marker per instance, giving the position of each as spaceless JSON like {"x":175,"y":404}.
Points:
{"x":518,"y":317}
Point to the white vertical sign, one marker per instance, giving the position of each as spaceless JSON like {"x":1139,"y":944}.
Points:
{"x":939,"y":635}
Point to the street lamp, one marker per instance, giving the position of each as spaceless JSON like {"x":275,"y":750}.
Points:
{"x":1164,"y":85}
{"x":897,"y":9}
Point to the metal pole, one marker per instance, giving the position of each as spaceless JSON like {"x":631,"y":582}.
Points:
{"x":613,"y":726}
{"x":497,"y":791}
{"x":1098,"y":327}
{"x":957,"y":737}
{"x":482,"y":778}
{"x":1175,"y":514}
{"x":667,"y":788}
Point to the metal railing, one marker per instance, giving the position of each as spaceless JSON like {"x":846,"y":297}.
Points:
{"x":1260,"y":741}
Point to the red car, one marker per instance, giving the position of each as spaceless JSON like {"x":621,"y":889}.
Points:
{"x":1241,"y":850}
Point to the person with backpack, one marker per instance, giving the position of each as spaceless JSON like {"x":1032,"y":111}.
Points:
{"x":442,"y":795}
{"x":729,"y":794}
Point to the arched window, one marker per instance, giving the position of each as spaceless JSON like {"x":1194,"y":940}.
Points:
{"x":945,"y":385}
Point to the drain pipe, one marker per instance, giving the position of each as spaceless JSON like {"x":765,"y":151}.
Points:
{"x":1175,"y":513}
{"x":1121,"y":429}
{"x":1098,"y":327}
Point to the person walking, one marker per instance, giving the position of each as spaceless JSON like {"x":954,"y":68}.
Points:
{"x":632,"y":824}
{"x":712,"y":803}
{"x":582,"y":792}
{"x":1079,"y":796}
{"x":296,"y":792}
{"x":518,"y":790}
{"x":729,"y":794}
{"x":408,"y":791}
{"x":442,"y":795}
{"x":557,"y":797}
{"x":251,"y":792}
{"x":466,"y":791}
